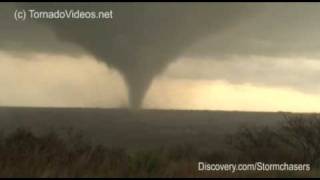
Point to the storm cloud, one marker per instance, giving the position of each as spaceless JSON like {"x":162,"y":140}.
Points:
{"x":143,"y":39}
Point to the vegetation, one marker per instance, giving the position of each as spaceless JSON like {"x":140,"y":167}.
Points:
{"x":297,"y":140}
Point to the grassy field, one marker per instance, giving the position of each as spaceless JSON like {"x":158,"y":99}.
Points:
{"x":135,"y":129}
{"x":58,"y":142}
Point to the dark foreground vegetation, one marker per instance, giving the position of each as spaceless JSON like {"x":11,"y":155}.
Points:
{"x":297,"y":140}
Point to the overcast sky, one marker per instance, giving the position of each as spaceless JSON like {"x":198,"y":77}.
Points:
{"x":250,"y":56}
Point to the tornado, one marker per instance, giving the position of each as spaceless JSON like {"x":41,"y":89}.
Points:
{"x":141,"y":39}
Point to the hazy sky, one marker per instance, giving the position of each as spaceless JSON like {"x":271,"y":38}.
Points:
{"x":264,"y":60}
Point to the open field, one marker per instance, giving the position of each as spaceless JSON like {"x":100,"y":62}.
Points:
{"x":75,"y":142}
{"x":136,"y":129}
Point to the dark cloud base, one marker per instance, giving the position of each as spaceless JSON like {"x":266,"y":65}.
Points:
{"x":144,"y":38}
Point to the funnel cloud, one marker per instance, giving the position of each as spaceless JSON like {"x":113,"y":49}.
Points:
{"x":142,"y":39}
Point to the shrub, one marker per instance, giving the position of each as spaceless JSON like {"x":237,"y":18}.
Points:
{"x":296,"y":140}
